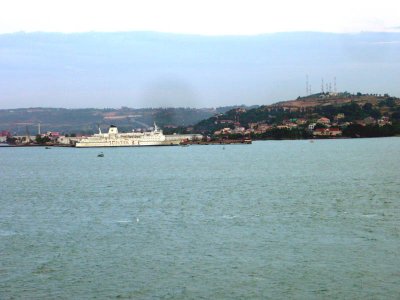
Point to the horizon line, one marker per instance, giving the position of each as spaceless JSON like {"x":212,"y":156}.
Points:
{"x":192,"y":107}
{"x":393,"y":30}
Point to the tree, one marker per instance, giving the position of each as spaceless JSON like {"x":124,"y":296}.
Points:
{"x":319,"y":125}
{"x":11,"y":140}
{"x":42,"y":140}
{"x":356,"y":130}
{"x":367,"y":107}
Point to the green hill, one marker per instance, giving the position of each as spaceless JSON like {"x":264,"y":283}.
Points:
{"x":86,"y":121}
{"x":349,"y":108}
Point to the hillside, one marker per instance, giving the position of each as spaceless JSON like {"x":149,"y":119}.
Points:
{"x":323,"y":99}
{"x":341,"y":110}
{"x":86,"y":121}
{"x":290,"y":118}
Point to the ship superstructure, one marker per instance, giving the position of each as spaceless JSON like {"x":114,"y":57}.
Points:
{"x":115,"y":139}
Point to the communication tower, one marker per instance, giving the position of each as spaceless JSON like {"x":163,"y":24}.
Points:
{"x":307,"y":87}
{"x":334,"y":84}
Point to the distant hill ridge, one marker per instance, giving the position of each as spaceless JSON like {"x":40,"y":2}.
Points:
{"x":202,"y":120}
{"x":351,"y":108}
{"x":87,"y":120}
{"x":331,"y":99}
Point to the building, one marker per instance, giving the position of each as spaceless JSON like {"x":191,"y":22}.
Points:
{"x":240,"y":110}
{"x":301,"y":121}
{"x":369,"y":121}
{"x":226,"y":122}
{"x":327,"y":132}
{"x":339,"y":116}
{"x":384,"y":121}
{"x":63,"y":140}
{"x":324,"y":121}
{"x":52,"y":135}
{"x":239,"y":130}
{"x":5,"y":133}
{"x":223,"y":131}
{"x":261,"y":128}
{"x":311,"y":126}
{"x":184,"y":137}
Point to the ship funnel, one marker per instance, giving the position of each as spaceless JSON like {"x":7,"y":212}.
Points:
{"x":113,"y":129}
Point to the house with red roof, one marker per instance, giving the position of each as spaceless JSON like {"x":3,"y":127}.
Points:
{"x":327,"y":132}
{"x":324,"y":121}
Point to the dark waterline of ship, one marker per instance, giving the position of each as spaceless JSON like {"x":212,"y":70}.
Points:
{"x":275,"y":219}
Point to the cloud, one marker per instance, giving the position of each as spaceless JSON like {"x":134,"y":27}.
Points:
{"x":207,"y":17}
{"x":391,"y":29}
{"x":386,"y":43}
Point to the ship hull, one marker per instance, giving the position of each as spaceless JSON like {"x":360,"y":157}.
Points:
{"x":127,"y":144}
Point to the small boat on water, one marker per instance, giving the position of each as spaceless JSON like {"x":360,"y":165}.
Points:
{"x":100,"y":154}
{"x":47,"y":147}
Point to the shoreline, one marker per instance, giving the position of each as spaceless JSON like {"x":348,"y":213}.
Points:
{"x":203,"y":143}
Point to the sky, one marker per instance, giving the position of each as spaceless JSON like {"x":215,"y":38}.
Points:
{"x":201,"y":68}
{"x":206,"y":17}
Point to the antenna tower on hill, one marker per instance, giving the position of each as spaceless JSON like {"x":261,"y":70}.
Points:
{"x":307,"y":87}
{"x":334,"y":84}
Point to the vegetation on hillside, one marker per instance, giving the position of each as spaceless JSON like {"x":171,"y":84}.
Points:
{"x":357,"y":115}
{"x":87,"y":120}
{"x":351,"y":112}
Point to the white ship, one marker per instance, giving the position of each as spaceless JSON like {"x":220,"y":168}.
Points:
{"x":132,"y":139}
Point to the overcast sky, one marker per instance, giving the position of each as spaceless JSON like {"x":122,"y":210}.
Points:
{"x":139,"y":69}
{"x":208,"y":17}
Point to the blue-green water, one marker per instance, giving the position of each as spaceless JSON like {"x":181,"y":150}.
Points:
{"x":275,"y":219}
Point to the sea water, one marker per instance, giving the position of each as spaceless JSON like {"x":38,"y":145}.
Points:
{"x":271,"y":220}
